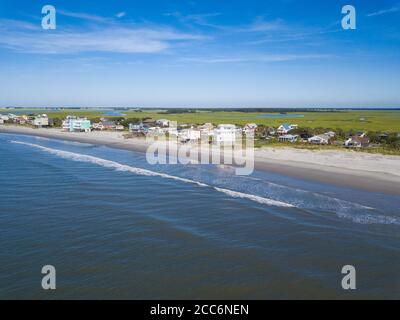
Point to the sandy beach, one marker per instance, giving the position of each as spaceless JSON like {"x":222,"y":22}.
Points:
{"x":371,"y":172}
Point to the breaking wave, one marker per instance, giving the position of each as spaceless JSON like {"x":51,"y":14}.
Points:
{"x":370,"y":219}
{"x":235,"y":194}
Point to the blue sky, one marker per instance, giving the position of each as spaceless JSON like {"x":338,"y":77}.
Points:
{"x":200,"y":53}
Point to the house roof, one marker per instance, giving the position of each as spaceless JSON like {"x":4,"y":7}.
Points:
{"x":251,"y":125}
{"x":321,"y":136}
{"x":286,"y":126}
{"x":108,"y":123}
{"x":226,"y":126}
{"x":362,"y":140}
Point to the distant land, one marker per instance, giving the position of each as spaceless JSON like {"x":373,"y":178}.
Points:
{"x":191,"y":109}
{"x":377,"y":120}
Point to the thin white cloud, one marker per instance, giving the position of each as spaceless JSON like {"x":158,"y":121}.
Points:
{"x":18,"y":25}
{"x":384,"y":11}
{"x":91,"y":17}
{"x":113,"y":38}
{"x":258,"y":58}
{"x":83,"y":16}
{"x":260,"y":25}
{"x":204,"y":19}
{"x":120,"y":14}
{"x":292,"y":35}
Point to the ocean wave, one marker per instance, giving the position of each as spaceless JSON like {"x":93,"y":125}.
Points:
{"x":370,"y":219}
{"x":321,"y":201}
{"x":235,"y":194}
{"x":126,"y":168}
{"x":343,"y":209}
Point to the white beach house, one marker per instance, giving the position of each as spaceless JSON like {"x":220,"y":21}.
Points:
{"x":75,"y":124}
{"x":249,"y":129}
{"x":320,"y":139}
{"x":4,"y":117}
{"x":191,"y":134}
{"x":225,"y":134}
{"x":357,"y":142}
{"x":163,"y":122}
{"x":286,"y":128}
{"x":172,"y":131}
{"x":288,"y":138}
{"x":331,"y":134}
{"x":138,"y":128}
{"x":41,"y":120}
{"x":206,"y":129}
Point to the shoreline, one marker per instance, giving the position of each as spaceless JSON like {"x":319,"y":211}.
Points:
{"x":374,"y":173}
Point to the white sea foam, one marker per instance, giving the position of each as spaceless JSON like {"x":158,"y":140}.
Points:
{"x":255,"y":198}
{"x":126,"y":168}
{"x":321,"y":201}
{"x":371,"y":219}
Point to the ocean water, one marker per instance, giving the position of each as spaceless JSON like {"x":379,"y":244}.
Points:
{"x":113,"y":114}
{"x":114,"y":226}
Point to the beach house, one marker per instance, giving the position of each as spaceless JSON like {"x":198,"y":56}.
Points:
{"x":331,"y":134}
{"x":320,"y":139}
{"x":188,"y":135}
{"x":249,"y":129}
{"x":286,"y":128}
{"x":163,"y":122}
{"x":41,"y":121}
{"x":24,"y":119}
{"x":4,"y":117}
{"x":108,"y":124}
{"x":155,"y":131}
{"x":138,"y":128}
{"x":12,"y":116}
{"x":206,"y":129}
{"x":288,"y":138}
{"x":267,"y":132}
{"x":104,"y":124}
{"x":171,"y":131}
{"x":225,"y":134}
{"x":75,"y":124}
{"x":357,"y":142}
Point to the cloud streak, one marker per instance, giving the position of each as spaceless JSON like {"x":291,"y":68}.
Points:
{"x":201,"y":19}
{"x":385,"y":11}
{"x":259,"y":25}
{"x":259,"y":58}
{"x":120,"y":14}
{"x":84,"y":16}
{"x":114,"y":38}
